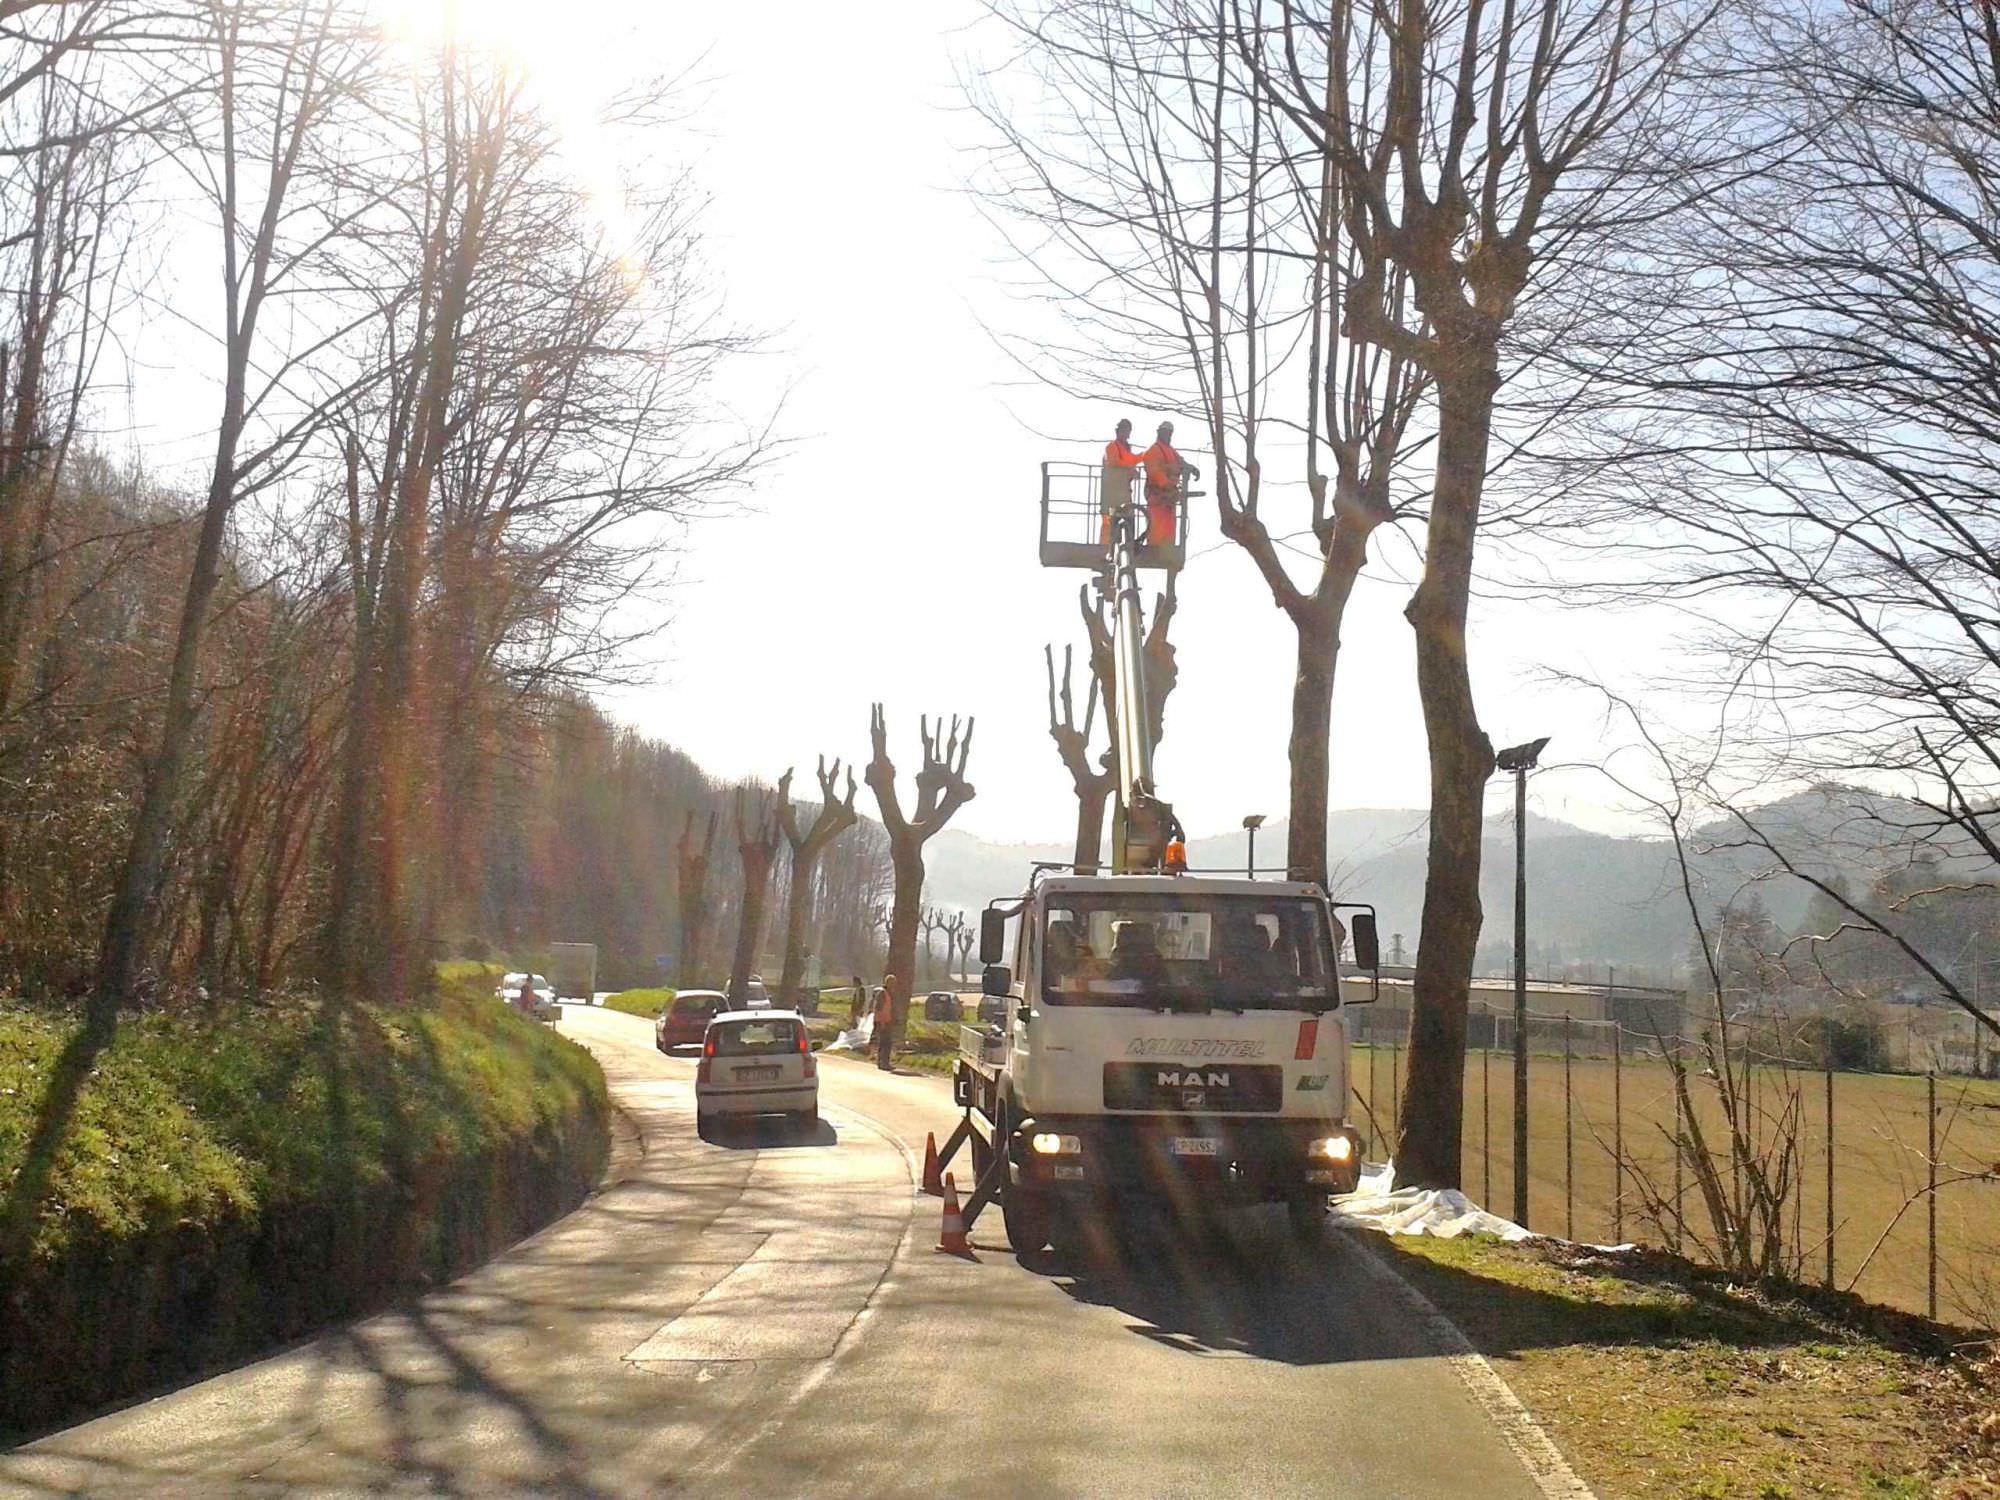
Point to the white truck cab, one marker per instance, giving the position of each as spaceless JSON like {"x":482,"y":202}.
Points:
{"x":1171,"y":1037}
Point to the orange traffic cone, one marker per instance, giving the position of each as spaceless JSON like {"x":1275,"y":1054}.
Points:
{"x":951,"y":1237}
{"x":933,"y":1181}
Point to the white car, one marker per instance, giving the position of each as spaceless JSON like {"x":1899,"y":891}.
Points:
{"x":756,"y":1062}
{"x":541,"y":1004}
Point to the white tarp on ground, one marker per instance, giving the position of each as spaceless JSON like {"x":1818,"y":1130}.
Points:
{"x":858,"y":1038}
{"x":1444,"y":1212}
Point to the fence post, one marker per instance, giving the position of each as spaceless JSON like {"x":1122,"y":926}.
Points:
{"x":1829,"y":1177}
{"x":1569,"y":1140}
{"x":1618,"y":1133}
{"x":1395,"y":1088}
{"x":1375,"y":1093}
{"x":1930,"y":1195}
{"x":1678,"y":1153}
{"x":1486,"y":1121}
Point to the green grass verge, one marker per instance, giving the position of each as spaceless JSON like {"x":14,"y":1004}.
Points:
{"x":1658,"y":1378}
{"x":211,"y":1182}
{"x":647,"y":1003}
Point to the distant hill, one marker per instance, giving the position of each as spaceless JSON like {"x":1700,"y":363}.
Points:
{"x":1593,"y":897}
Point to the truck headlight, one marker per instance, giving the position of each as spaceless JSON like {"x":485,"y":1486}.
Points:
{"x":1050,"y":1144}
{"x":1332,"y":1148}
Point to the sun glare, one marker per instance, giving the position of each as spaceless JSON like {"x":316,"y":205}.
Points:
{"x":560,"y":53}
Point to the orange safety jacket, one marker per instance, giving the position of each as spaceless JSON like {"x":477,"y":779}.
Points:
{"x":1163,"y":470}
{"x":1118,"y":454}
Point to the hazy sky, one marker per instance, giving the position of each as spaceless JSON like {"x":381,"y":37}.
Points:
{"x":892,"y":555}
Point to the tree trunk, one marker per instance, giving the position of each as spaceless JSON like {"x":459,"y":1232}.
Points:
{"x":1461,"y":761}
{"x":1090,"y":826}
{"x":139,"y":879}
{"x":907,"y":855}
{"x":750,"y":924}
{"x":798,"y":908}
{"x":1312,"y":733}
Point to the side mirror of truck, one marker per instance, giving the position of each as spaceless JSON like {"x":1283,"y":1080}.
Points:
{"x":1367,"y":945}
{"x":992,"y":937}
{"x":997,"y":980}
{"x":992,"y":1010}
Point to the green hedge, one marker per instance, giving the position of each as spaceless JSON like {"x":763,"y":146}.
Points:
{"x":226,"y":1181}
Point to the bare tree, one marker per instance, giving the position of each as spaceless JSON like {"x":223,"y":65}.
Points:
{"x":1200,"y":244}
{"x":954,"y":944}
{"x":697,"y":910}
{"x":276,"y":93}
{"x":930,"y":921}
{"x":1474,"y":151}
{"x":965,"y":951}
{"x":1091,"y":782}
{"x":835,"y":816}
{"x":757,"y":834}
{"x":941,"y":791}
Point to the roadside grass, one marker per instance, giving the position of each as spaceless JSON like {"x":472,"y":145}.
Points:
{"x":927,"y":1046}
{"x":234,"y":1175}
{"x":1879,"y":1163}
{"x":647,"y":1003}
{"x":1658,"y":1378}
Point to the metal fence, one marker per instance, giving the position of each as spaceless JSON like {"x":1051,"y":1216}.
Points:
{"x":1880,"y":1183}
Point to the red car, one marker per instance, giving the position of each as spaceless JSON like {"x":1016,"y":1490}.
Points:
{"x":685,"y":1022}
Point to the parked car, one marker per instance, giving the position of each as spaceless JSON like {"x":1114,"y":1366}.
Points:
{"x":685,"y":1022}
{"x":942,"y":1005}
{"x":756,"y":1062}
{"x":754,"y":994}
{"x":540,"y":1004}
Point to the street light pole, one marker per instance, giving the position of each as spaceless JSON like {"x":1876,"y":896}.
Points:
{"x":1520,"y":759}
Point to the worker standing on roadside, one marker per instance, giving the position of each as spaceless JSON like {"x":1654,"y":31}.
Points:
{"x":1121,"y":467}
{"x":885,"y":1021}
{"x":1163,"y":487}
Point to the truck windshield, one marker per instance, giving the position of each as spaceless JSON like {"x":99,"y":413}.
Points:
{"x":1168,"y":950}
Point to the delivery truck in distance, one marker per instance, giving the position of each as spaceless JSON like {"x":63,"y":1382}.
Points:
{"x":573,"y":970}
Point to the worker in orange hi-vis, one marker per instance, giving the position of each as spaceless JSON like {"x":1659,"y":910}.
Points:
{"x":1163,"y":486}
{"x":1121,"y":467}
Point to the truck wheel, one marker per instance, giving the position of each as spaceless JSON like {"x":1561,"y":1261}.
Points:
{"x":1026,"y":1214}
{"x":1025,"y":1211}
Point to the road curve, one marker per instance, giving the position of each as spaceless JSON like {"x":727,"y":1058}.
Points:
{"x":767,"y":1317}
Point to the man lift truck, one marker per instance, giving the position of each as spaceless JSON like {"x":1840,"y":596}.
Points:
{"x":1163,"y":1035}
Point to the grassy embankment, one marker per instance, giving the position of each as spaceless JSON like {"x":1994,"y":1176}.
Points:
{"x":647,"y":1003}
{"x":212,"y":1183}
{"x":1657,"y":1379}
{"x":1879,"y":1164}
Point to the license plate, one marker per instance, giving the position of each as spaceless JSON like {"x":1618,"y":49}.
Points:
{"x":756,"y":1075}
{"x":1195,"y":1145}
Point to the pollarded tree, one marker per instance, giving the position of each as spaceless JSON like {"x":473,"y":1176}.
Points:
{"x":1092,"y":782}
{"x":1184,"y":220}
{"x":757,"y":836}
{"x":692,"y":862}
{"x":941,"y":791}
{"x":835,"y":816}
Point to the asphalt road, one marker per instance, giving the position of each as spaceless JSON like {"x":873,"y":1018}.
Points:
{"x":767,"y":1316}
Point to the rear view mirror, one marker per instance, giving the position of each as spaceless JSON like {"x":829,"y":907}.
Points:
{"x":992,"y":1010}
{"x":1367,"y":945}
{"x":992,"y":937}
{"x":997,"y":980}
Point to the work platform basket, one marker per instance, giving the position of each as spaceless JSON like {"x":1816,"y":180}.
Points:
{"x":1075,"y":500}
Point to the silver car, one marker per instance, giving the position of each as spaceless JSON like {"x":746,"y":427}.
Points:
{"x":756,"y":1062}
{"x":531,"y":993}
